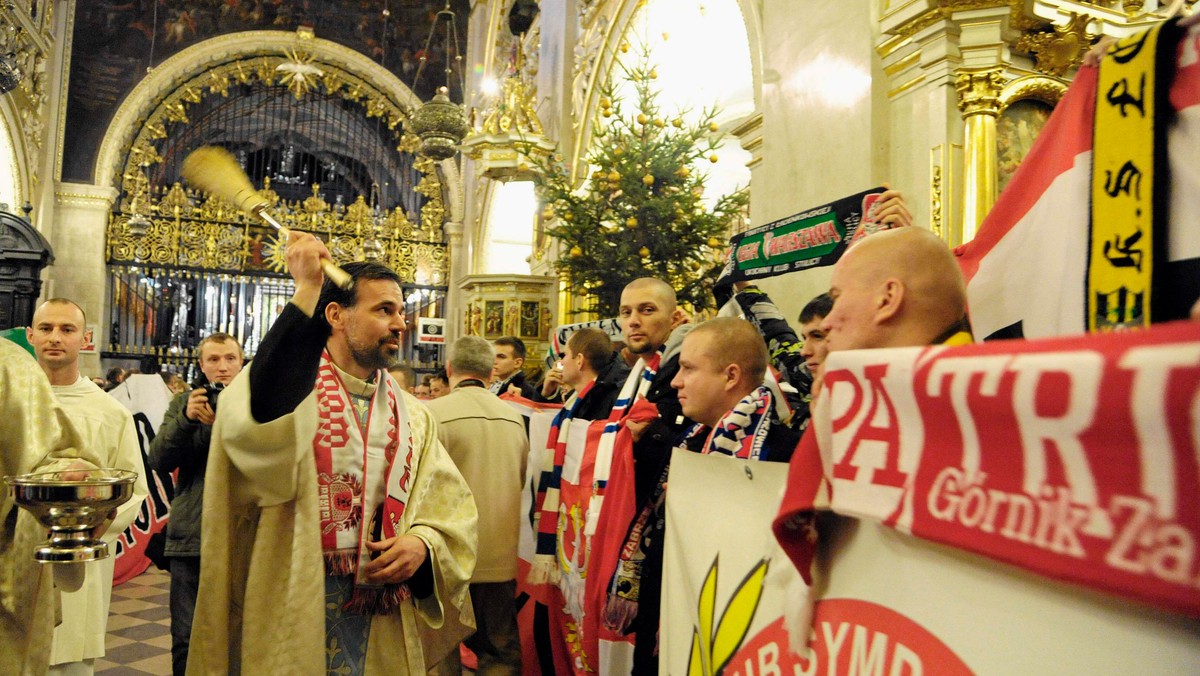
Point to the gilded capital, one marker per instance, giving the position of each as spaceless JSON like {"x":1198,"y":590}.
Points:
{"x":979,"y":91}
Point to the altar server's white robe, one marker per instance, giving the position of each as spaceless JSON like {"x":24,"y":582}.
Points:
{"x":106,"y":428}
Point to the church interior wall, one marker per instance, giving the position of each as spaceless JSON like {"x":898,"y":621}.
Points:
{"x":850,"y":94}
{"x":821,"y":138}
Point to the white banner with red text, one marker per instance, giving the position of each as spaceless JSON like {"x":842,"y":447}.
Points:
{"x":1075,"y":458}
{"x":885,"y":602}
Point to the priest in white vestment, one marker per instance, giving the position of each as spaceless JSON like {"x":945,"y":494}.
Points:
{"x":337,"y":530}
{"x":58,"y":333}
{"x":36,"y":436}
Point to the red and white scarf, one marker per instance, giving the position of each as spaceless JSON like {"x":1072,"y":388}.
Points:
{"x":637,"y":384}
{"x":365,"y":470}
{"x":545,"y":563}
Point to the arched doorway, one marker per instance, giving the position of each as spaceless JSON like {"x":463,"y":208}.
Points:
{"x":327,"y":143}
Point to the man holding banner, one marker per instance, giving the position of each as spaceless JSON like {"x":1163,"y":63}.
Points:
{"x":655,"y":328}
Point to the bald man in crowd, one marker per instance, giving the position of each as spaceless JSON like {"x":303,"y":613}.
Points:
{"x":654,"y":329}
{"x":720,"y":384}
{"x":898,"y":288}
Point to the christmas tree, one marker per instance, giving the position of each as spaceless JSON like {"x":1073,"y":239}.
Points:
{"x":640,"y":212}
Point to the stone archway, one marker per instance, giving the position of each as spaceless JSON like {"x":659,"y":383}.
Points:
{"x":82,"y":212}
{"x":129,"y":119}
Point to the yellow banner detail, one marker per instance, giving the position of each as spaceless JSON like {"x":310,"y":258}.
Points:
{"x":1120,"y":260}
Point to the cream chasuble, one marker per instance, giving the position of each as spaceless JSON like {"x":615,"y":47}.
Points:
{"x":262,"y":579}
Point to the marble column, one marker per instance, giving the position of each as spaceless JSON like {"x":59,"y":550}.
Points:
{"x":78,"y":226}
{"x":820,"y":139}
{"x":454,"y":240}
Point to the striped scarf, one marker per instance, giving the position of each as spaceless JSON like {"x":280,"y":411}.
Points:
{"x":636,"y":385}
{"x":743,"y":430}
{"x":364,"y":477}
{"x":544,"y":567}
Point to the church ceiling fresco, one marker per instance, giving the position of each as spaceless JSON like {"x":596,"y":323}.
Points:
{"x":111,"y":47}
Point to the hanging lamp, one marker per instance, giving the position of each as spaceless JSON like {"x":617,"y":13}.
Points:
{"x":441,"y":124}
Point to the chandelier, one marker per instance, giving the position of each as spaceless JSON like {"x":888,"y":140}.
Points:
{"x":441,"y":123}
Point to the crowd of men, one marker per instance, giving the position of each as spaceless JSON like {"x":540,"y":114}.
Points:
{"x":324,"y":518}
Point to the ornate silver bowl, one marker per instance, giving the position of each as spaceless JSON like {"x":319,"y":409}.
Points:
{"x":74,"y":505}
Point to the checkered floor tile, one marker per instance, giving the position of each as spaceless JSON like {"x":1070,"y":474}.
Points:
{"x":139,"y":627}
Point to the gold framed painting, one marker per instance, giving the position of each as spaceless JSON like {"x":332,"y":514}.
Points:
{"x":1025,"y":105}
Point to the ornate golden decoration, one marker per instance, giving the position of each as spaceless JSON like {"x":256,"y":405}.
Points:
{"x":935,"y":201}
{"x":299,"y":74}
{"x":1110,"y":17}
{"x":1057,"y":51}
{"x":979,"y":100}
{"x":296,"y":74}
{"x":211,"y":245}
{"x":31,"y":40}
{"x":945,"y":9}
{"x":1045,"y":89}
{"x":979,"y":91}
{"x":514,"y":111}
{"x":274,"y":254}
{"x":511,"y":133}
{"x":194,"y":231}
{"x":219,"y":84}
{"x":190,"y":230}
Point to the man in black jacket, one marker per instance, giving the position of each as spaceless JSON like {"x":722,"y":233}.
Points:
{"x":508,"y":369}
{"x":589,"y":356}
{"x":654,"y":329}
{"x":182,"y":443}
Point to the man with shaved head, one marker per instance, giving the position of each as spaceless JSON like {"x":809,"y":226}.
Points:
{"x":58,"y":333}
{"x":899,"y":288}
{"x":720,"y":384}
{"x":649,"y":408}
{"x":895,"y":289}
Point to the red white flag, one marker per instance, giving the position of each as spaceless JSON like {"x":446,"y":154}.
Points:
{"x":1026,"y":270}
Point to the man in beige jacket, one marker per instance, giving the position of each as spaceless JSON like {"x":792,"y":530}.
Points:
{"x":487,"y":440}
